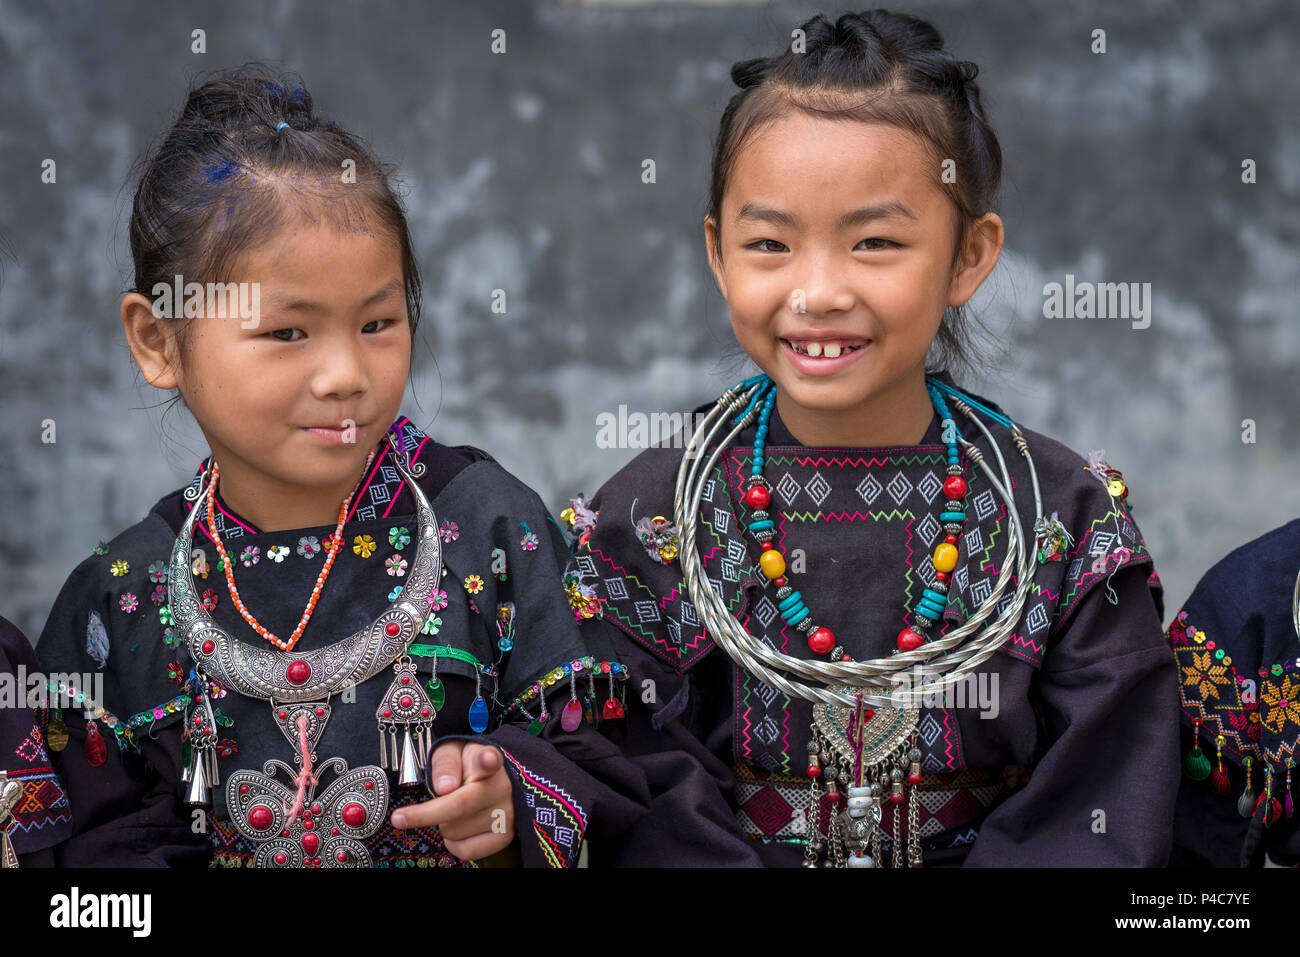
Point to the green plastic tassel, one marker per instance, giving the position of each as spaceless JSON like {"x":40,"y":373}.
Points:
{"x":1196,"y":765}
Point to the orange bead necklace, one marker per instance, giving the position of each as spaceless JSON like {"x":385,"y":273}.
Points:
{"x":333,"y":550}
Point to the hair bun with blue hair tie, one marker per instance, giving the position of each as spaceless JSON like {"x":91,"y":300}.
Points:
{"x":281,"y":126}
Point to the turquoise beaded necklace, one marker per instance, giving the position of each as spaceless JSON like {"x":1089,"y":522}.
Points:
{"x":929,"y":607}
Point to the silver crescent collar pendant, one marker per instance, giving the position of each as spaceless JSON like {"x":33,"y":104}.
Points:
{"x":297,"y":676}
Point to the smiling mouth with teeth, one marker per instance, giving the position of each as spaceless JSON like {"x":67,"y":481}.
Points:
{"x":823,"y":350}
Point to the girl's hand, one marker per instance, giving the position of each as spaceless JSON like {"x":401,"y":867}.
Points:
{"x":474,"y":809}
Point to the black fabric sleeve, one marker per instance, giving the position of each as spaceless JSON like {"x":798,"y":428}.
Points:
{"x":1102,"y":792}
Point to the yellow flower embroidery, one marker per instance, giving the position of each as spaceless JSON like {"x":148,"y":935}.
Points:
{"x":473,"y":584}
{"x":1205,"y":674}
{"x":1282,"y":704}
{"x":119,"y":568}
{"x":363,"y":545}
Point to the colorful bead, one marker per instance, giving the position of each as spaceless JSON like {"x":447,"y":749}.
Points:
{"x":772,"y":564}
{"x":821,"y":641}
{"x":908,"y":640}
{"x":945,"y":557}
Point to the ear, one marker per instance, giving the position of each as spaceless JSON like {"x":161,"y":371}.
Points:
{"x":154,"y":349}
{"x":711,"y":248}
{"x":977,"y":259}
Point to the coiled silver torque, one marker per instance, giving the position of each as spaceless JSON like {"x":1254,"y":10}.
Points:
{"x":941,"y":663}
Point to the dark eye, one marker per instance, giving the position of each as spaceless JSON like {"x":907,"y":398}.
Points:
{"x":376,"y":322}
{"x":765,"y":246}
{"x":276,"y":334}
{"x":884,"y":244}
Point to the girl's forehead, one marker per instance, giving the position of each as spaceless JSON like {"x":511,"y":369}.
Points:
{"x":807,"y":160}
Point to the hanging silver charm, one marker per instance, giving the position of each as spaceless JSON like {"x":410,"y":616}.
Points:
{"x":406,"y":712}
{"x":201,"y":728}
{"x":11,"y":792}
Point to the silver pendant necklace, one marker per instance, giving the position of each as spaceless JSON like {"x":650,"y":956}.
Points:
{"x":290,"y":824}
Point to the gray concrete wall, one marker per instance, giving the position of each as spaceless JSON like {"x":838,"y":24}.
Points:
{"x":523,"y":173}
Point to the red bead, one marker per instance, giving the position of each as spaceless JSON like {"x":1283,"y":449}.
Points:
{"x":298,"y":672}
{"x":310,"y":843}
{"x":780,"y":582}
{"x":914,"y":777}
{"x":320,"y":712}
{"x":405,"y":701}
{"x":341,"y":857}
{"x":388,"y":713}
{"x":315,"y":809}
{"x":813,"y":770}
{"x":243,"y":789}
{"x":391,"y":629}
{"x":821,"y":641}
{"x":335,"y":831}
{"x":954,"y":487}
{"x":846,"y":657}
{"x":766,"y":546}
{"x":354,"y":814}
{"x":370,"y":785}
{"x":758,"y":497}
{"x":406,"y":679}
{"x":836,"y":797}
{"x":209,"y":646}
{"x":280,"y":858}
{"x":424,"y":712}
{"x":284,"y":833}
{"x":909,"y":640}
{"x":896,"y":798}
{"x":308,"y":823}
{"x":283,"y":715}
{"x":260,"y":817}
{"x":950,"y":539}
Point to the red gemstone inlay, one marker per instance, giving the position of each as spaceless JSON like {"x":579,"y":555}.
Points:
{"x":405,"y":701}
{"x":370,"y":785}
{"x":391,"y":629}
{"x":334,"y":831}
{"x":298,"y":672}
{"x":320,"y":712}
{"x":310,"y":843}
{"x":280,"y":858}
{"x":354,"y":813}
{"x":309,"y":824}
{"x":260,"y":817}
{"x":341,"y":857}
{"x":424,"y":712}
{"x":406,"y":679}
{"x":315,"y":809}
{"x":283,"y":715}
{"x":209,"y":646}
{"x":388,"y":713}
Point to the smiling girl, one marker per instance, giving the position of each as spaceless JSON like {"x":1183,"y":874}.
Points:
{"x":311,"y":654}
{"x":875,"y":622}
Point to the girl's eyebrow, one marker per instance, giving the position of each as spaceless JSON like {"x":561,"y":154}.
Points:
{"x":389,"y":290}
{"x":892,"y":209}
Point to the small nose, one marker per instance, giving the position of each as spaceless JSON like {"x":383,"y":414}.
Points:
{"x":825,"y":289}
{"x":341,"y":373}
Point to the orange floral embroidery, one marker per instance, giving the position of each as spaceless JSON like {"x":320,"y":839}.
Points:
{"x":1282,"y":704}
{"x":1205,"y":674}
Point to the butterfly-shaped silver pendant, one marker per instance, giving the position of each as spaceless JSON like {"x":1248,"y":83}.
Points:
{"x":327,"y":830}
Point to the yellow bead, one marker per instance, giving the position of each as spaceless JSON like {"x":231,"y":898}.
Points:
{"x":1115,"y":487}
{"x":772,"y":563}
{"x":945,"y":557}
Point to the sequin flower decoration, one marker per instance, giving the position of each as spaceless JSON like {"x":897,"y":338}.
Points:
{"x":158,"y":595}
{"x":227,"y":748}
{"x":363,"y":545}
{"x":449,"y":531}
{"x":101,"y":548}
{"x":128,"y":602}
{"x":580,"y":519}
{"x":437,"y":599}
{"x":309,"y":546}
{"x":158,"y":572}
{"x":277,"y":553}
{"x":399,"y":538}
{"x":209,"y":599}
{"x":396,"y":565}
{"x":529,"y":541}
{"x":658,"y":537}
{"x":250,"y":556}
{"x":175,"y":673}
{"x":431,"y":626}
{"x":1055,"y":539}
{"x":119,"y":567}
{"x":473,"y":584}
{"x":582,"y":598}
